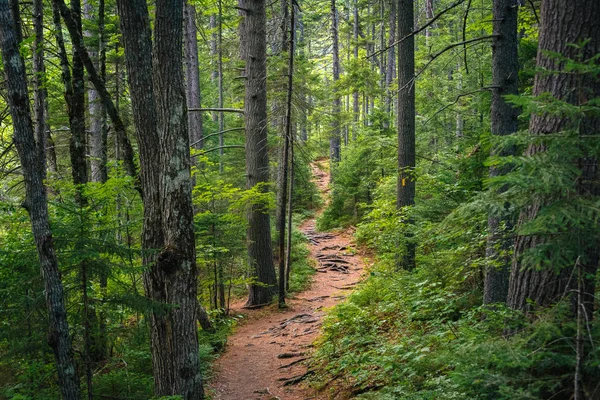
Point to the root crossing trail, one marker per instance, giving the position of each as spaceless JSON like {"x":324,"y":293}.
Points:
{"x":264,"y":357}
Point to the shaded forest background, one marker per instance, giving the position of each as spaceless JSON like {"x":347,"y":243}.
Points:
{"x":484,"y":245}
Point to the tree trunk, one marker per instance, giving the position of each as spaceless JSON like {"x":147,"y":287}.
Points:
{"x":505,"y":68}
{"x":563,"y":23}
{"x":220,"y":82}
{"x":98,"y":139}
{"x":253,"y":52}
{"x":286,"y":161}
{"x":355,"y":100}
{"x":78,"y":142}
{"x":406,"y":119}
{"x":429,"y":15}
{"x":37,"y":206}
{"x":391,"y":64}
{"x":177,"y":258}
{"x":40,"y":92}
{"x":192,"y":76}
{"x":334,"y":139}
{"x":135,"y":27}
{"x":60,"y":9}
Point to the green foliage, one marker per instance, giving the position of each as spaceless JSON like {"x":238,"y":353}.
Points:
{"x":424,"y":335}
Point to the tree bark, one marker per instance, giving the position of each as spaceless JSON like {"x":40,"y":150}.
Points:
{"x":192,"y":76}
{"x":37,"y":206}
{"x":253,"y":52}
{"x":505,"y":69}
{"x":563,"y":23}
{"x":178,"y":255}
{"x":406,"y":119}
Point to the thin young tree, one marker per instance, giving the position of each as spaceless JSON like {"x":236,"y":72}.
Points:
{"x":286,"y":174}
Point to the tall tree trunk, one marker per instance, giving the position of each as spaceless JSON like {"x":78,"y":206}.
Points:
{"x":253,"y":52}
{"x":304,"y":97}
{"x":355,"y":100}
{"x":334,"y":139}
{"x":78,"y":142}
{"x":60,"y":9}
{"x":505,"y":68}
{"x":192,"y":76}
{"x":98,"y":139}
{"x":285,"y":161}
{"x":429,"y":15}
{"x":563,"y":23}
{"x":220,"y":75}
{"x":40,"y":92}
{"x":391,"y":64}
{"x":178,"y":255}
{"x":135,"y":27}
{"x":406,"y":119}
{"x":37,"y":206}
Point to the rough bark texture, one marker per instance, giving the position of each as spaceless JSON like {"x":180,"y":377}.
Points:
{"x":562,"y":23}
{"x":406,"y":118}
{"x":505,"y":68}
{"x":178,"y":255}
{"x":161,"y":127}
{"x":334,"y":139}
{"x":253,"y":52}
{"x":192,"y":76}
{"x":135,"y":26}
{"x":37,"y":206}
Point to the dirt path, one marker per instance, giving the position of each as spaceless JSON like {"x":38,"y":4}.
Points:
{"x":268,"y":349}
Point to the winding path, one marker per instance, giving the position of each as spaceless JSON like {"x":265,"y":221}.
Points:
{"x":267,"y":351}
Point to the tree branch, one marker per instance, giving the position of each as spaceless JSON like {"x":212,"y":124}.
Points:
{"x":217,"y":133}
{"x":231,"y":110}
{"x":428,"y":24}
{"x":231,"y":146}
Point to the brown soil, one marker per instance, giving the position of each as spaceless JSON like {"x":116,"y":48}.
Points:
{"x":269,"y":349}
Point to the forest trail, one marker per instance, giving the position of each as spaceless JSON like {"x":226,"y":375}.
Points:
{"x":267,"y":351}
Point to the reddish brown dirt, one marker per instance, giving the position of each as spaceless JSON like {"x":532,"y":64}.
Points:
{"x":271,"y":345}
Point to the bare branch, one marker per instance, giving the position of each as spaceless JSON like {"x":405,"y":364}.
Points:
{"x":428,"y":24}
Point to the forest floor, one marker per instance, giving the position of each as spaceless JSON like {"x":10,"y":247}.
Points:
{"x":265,"y":356}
